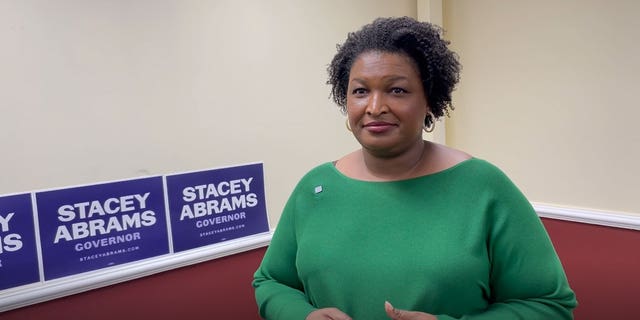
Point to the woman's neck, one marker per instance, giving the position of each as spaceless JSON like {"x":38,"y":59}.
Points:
{"x":408,"y":164}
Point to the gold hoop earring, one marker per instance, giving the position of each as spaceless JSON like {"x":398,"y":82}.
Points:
{"x":432,"y":123}
{"x":346,"y":123}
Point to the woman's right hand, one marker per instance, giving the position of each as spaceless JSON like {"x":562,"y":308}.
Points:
{"x":328,"y":314}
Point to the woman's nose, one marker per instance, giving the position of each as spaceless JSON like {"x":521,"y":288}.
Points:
{"x":376,"y":104}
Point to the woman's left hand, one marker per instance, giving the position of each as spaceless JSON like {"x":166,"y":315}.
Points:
{"x":397,"y":314}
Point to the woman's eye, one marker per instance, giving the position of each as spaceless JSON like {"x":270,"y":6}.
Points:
{"x":398,"y":90}
{"x":359,"y":91}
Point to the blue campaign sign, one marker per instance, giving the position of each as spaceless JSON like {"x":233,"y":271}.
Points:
{"x":212,"y":206}
{"x":92,"y":227}
{"x":18,"y":253}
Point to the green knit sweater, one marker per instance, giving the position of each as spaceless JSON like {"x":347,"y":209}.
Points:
{"x":463,"y":243}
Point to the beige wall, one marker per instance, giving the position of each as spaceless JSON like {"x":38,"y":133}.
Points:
{"x":97,"y":90}
{"x":548,"y":93}
{"x":103,"y":90}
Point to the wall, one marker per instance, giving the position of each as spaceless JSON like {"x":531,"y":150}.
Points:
{"x":104,"y":90}
{"x":218,"y":289}
{"x":547,"y":93}
{"x":601,"y":264}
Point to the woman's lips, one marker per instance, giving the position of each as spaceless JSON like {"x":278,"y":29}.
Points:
{"x":378,"y":127}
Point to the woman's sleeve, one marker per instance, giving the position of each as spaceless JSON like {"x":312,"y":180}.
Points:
{"x":527,"y":278}
{"x":278,"y":290}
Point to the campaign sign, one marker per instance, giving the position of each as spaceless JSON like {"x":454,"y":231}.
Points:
{"x":18,"y":253}
{"x":92,"y":227}
{"x":212,"y":206}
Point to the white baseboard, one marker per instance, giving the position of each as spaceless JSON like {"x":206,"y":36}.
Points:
{"x":597,"y":217}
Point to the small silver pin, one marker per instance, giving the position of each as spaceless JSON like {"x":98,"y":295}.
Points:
{"x":318,"y":189}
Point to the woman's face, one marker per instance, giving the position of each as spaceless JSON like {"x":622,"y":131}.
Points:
{"x":386,"y":103}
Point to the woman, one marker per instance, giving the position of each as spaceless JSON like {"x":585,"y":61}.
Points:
{"x":433,"y":230}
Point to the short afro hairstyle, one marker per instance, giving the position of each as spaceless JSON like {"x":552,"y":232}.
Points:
{"x":422,"y":42}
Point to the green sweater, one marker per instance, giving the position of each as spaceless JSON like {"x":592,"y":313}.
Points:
{"x":463,"y":243}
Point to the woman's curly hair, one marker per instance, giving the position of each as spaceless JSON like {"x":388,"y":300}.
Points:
{"x":422,"y":42}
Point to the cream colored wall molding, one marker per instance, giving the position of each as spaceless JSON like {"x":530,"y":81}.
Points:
{"x":39,"y":292}
{"x":597,"y":217}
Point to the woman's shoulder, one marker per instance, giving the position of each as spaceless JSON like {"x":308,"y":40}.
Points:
{"x":445,"y":157}
{"x":474,"y":167}
{"x":322,"y":170}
